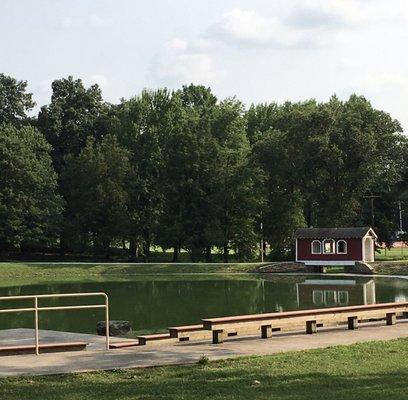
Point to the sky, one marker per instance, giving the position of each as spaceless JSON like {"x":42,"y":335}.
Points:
{"x":257,"y":50}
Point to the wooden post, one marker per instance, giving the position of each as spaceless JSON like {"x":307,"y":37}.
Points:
{"x":218,"y":336}
{"x":391,"y":318}
{"x":266,"y":331}
{"x":311,"y":327}
{"x":352,"y":322}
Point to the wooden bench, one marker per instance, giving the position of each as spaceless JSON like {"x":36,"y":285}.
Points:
{"x":309,"y":319}
{"x":121,"y":345}
{"x":155,"y":338}
{"x":44,"y":348}
{"x":189,"y":332}
{"x":197,"y":332}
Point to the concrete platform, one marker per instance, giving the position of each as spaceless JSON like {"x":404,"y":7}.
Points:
{"x":23,"y":336}
{"x":190,"y":352}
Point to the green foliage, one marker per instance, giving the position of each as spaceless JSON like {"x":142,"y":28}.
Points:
{"x":70,"y":118}
{"x":188,"y":171}
{"x":98,"y":197}
{"x":29,"y":204}
{"x":322,"y":160}
{"x":15,"y":102}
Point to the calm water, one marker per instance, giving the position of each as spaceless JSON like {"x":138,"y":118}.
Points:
{"x":153,"y":303}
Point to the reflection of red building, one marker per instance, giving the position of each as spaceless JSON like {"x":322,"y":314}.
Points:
{"x":334,"y":293}
{"x":335,"y":246}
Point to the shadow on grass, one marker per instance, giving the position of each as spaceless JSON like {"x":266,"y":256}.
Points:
{"x":364,"y":371}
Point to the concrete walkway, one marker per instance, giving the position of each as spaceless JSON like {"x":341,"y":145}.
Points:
{"x":190,"y":352}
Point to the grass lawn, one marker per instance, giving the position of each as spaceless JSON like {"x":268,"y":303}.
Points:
{"x":373,"y":370}
{"x":20,"y":272}
{"x":393,"y":254}
{"x":23,"y":272}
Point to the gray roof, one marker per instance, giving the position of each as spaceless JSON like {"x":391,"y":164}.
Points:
{"x":332,"y":233}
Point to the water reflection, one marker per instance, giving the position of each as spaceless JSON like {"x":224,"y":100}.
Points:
{"x":314,"y":293}
{"x":153,"y":303}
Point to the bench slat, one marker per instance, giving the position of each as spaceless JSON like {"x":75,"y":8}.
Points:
{"x":121,"y":345}
{"x":43,"y":347}
{"x":303,"y":313}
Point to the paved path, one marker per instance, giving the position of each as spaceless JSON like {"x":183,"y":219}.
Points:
{"x":25,"y":336}
{"x":190,"y":352}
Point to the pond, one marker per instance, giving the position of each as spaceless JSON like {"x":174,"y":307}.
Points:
{"x":154,"y":302}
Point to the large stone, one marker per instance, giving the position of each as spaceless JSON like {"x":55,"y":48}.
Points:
{"x":116,"y":328}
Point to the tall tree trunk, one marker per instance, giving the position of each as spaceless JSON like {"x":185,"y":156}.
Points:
{"x":62,"y":244}
{"x":176,"y":253}
{"x":132,"y":249}
{"x":146,"y":250}
{"x":208,"y":257}
{"x":106,"y":248}
{"x":225,"y":253}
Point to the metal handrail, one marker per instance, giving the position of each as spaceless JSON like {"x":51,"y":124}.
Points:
{"x":36,"y":309}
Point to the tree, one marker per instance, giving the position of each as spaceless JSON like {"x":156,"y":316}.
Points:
{"x":321,"y":160}
{"x":98,"y":196}
{"x":71,"y":117}
{"x":74,"y":114}
{"x":238,"y":198}
{"x":142,"y":124}
{"x":29,"y":204}
{"x":15,"y":102}
{"x":190,"y":183}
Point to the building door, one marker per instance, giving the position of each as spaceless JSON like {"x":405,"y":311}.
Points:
{"x":368,"y":249}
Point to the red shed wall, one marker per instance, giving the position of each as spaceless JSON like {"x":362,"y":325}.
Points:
{"x":354,"y":251}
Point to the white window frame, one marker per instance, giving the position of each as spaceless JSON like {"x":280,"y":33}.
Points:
{"x":345,"y":295}
{"x":345,"y":247}
{"x":320,"y":245}
{"x":333,"y":247}
{"x":318,"y":297}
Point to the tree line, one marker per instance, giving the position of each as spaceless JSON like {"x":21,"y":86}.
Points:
{"x":184,"y":170}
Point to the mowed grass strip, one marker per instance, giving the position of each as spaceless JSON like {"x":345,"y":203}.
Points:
{"x":79,"y":271}
{"x":372,"y":370}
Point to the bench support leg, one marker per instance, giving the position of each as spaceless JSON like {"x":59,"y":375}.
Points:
{"x":218,"y":336}
{"x":266,"y":331}
{"x":311,"y":327}
{"x":391,"y":318}
{"x":352,"y":322}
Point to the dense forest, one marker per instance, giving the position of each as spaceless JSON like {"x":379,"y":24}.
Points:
{"x":186,"y":171}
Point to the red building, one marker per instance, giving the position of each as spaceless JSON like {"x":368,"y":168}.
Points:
{"x":335,"y":246}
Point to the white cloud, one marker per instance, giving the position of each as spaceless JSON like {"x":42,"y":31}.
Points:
{"x":246,"y":27}
{"x":303,"y":23}
{"x":180,"y":64}
{"x":332,"y":14}
{"x":93,"y":21}
{"x":67,"y":22}
{"x":96,"y":21}
{"x":377,"y":83}
{"x":98,"y":79}
{"x":178,"y":44}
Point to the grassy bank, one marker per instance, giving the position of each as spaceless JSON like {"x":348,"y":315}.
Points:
{"x":71,"y":272}
{"x":362,"y":371}
{"x":22,"y":272}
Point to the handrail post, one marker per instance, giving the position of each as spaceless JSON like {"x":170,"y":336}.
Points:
{"x":37,"y":346}
{"x":107,"y":321}
{"x":36,"y":309}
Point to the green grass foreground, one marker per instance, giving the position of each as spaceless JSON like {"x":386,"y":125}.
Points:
{"x":372,"y":370}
